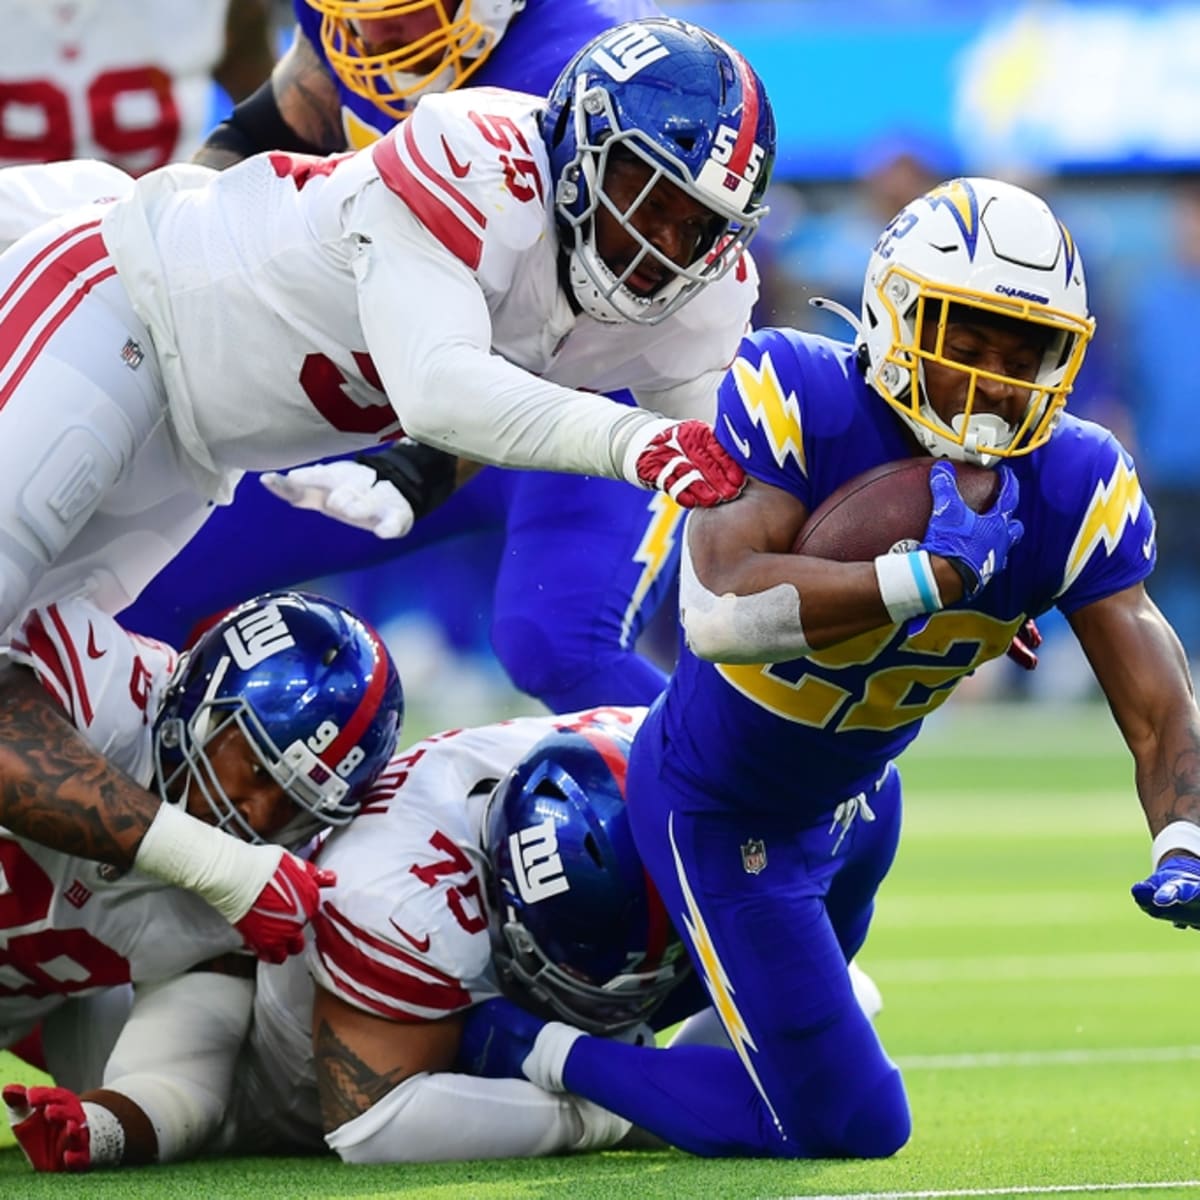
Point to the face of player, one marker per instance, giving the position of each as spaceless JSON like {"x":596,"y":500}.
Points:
{"x":386,"y":34}
{"x":678,"y":226}
{"x":989,"y":347}
{"x":258,"y":798}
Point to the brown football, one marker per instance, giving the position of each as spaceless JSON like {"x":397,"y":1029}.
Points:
{"x":888,"y":505}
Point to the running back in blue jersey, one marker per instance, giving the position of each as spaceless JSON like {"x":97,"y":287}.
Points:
{"x":795,"y":411}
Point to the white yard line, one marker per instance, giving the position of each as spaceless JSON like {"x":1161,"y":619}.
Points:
{"x":1046,"y":1190}
{"x":1045,"y":1058}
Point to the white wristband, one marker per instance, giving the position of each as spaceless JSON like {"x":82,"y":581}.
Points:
{"x":226,"y":871}
{"x":545,"y":1063}
{"x":1179,"y":835}
{"x":907,"y":585}
{"x":106,"y":1135}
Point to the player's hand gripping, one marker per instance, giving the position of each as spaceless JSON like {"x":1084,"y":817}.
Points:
{"x":51,"y":1127}
{"x":1024,"y":646}
{"x":685,"y":460}
{"x":976,"y":544}
{"x":1172,"y":892}
{"x":350,"y":492}
{"x":273,"y":926}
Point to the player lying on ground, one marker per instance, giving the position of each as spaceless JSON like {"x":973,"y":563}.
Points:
{"x":495,"y":858}
{"x":274,"y":725}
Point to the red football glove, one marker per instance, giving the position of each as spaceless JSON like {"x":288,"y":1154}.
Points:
{"x":685,"y":460}
{"x":1023,"y":649}
{"x":274,"y":926}
{"x":50,"y":1124}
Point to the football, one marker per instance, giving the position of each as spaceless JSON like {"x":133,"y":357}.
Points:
{"x":884,"y":509}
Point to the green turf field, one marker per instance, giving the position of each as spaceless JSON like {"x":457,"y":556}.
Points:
{"x":1044,"y":1024}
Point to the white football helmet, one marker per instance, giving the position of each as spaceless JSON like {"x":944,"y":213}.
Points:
{"x":391,"y":79}
{"x":989,"y":246}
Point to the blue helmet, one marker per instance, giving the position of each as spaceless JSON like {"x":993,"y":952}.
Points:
{"x":313,"y":690}
{"x":689,"y":107}
{"x":583,"y":933}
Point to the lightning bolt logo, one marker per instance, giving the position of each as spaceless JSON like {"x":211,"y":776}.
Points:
{"x":653,"y":551}
{"x":959,"y":197}
{"x":777,"y":415}
{"x":1114,"y":505}
{"x":715,"y":978}
{"x":1068,"y":250}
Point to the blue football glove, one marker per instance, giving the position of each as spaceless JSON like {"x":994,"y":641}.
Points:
{"x":976,"y":544}
{"x":1172,"y":892}
{"x":497,"y":1038}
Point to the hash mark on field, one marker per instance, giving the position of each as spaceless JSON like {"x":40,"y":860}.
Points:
{"x":1051,"y":1189}
{"x":1046,"y":1058}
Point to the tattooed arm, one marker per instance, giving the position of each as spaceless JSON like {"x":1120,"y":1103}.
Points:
{"x":296,"y":109}
{"x":389,"y":1094}
{"x":55,"y":789}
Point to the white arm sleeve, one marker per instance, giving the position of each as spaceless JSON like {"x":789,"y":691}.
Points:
{"x":175,"y":1056}
{"x":444,"y":1117}
{"x":431,"y":342}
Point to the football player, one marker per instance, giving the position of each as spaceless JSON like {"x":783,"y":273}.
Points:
{"x":763,"y":792}
{"x":586,"y":560}
{"x":483,"y":860}
{"x":273,"y":726}
{"x":461,"y":279}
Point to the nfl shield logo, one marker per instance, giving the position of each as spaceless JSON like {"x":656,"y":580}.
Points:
{"x":754,"y":856}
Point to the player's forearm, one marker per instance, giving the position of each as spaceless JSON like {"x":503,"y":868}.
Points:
{"x":55,"y":789}
{"x":296,"y":109}
{"x":481,"y":407}
{"x":447,"y":1116}
{"x":168,"y":1080}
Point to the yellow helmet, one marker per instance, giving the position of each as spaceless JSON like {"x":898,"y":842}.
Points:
{"x":458,"y":40}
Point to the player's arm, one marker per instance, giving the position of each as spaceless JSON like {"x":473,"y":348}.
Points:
{"x":746,"y":597}
{"x":57,"y":790}
{"x":166,"y":1084}
{"x":296,"y":109}
{"x":249,"y":57}
{"x":389,"y":1094}
{"x":1141,"y":667}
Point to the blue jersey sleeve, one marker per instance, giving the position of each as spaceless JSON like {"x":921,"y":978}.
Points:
{"x":1112,"y":547}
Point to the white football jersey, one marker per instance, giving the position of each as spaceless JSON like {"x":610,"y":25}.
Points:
{"x":404,"y":280}
{"x":405,"y":934}
{"x":120,"y":80}
{"x":69,"y":925}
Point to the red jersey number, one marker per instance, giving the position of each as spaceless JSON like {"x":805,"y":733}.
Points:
{"x":36,"y":123}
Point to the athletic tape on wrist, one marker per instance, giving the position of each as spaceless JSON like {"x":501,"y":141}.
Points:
{"x":907,"y":585}
{"x":106,"y":1135}
{"x":1179,"y":835}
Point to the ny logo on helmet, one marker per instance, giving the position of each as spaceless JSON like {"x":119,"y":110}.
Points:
{"x":631,"y":51}
{"x":537,"y":866}
{"x":257,"y":636}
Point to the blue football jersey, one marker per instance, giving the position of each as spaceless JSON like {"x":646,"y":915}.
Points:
{"x":796,"y":412}
{"x":539,"y":42}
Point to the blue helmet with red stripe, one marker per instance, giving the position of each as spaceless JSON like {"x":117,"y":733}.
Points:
{"x":583,"y":934}
{"x":314,"y":692}
{"x":692,"y":110}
